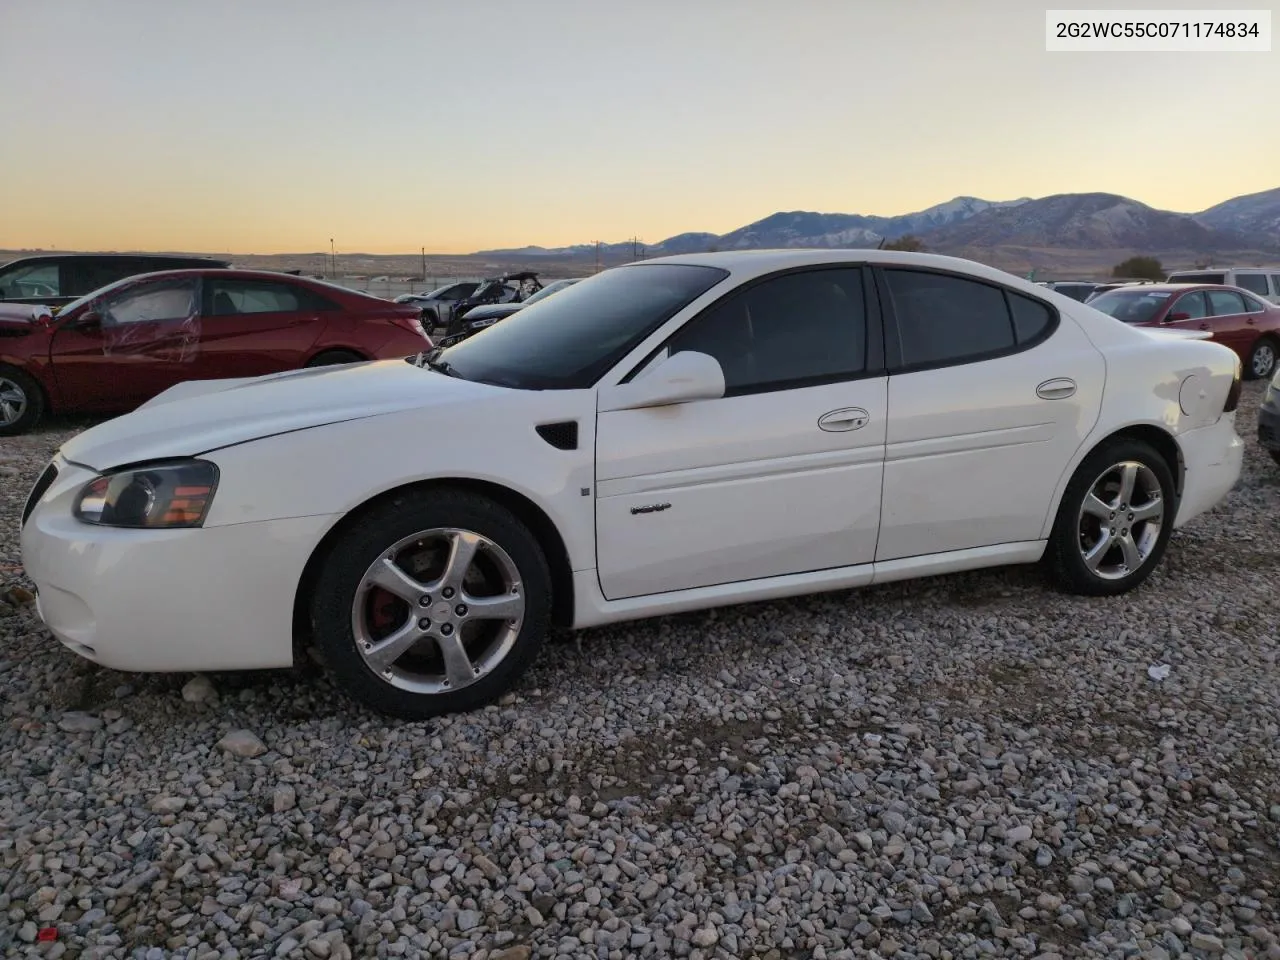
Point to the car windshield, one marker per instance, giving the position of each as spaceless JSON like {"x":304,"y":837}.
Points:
{"x":569,"y":341}
{"x":1131,"y":306}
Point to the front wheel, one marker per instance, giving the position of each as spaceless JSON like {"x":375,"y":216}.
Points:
{"x":1115,"y":519}
{"x":1262,"y":359}
{"x":432,"y":603}
{"x":21,"y":401}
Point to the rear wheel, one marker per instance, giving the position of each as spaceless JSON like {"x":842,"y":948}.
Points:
{"x":433,"y":603}
{"x":330,"y":357}
{"x":21,"y":401}
{"x":1115,"y":519}
{"x":1262,"y":359}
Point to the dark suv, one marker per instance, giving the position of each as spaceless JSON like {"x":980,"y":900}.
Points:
{"x":58,"y":278}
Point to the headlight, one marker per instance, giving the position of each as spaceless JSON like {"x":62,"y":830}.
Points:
{"x":160,"y":495}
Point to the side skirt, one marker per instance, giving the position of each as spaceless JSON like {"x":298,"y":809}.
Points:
{"x":592,"y":609}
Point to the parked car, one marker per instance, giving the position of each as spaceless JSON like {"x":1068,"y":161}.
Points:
{"x":1263,"y":282}
{"x":121,"y":345}
{"x":667,"y":435}
{"x":1269,"y":419}
{"x":1075,"y":289}
{"x":436,"y":303}
{"x":479,"y":318}
{"x":509,"y":288}
{"x":57,"y":279}
{"x":1110,"y":285}
{"x":1233,"y":317}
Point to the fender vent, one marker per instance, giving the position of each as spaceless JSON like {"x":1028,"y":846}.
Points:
{"x":562,"y":436}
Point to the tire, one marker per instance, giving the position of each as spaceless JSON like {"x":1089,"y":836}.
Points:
{"x":1262,"y":359}
{"x":21,"y":401}
{"x":1080,"y":528}
{"x":330,"y":357}
{"x":353,"y":619}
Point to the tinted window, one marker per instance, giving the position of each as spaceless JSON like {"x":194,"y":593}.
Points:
{"x":1253,"y":282}
{"x":88,"y":275}
{"x":152,"y":303}
{"x":1197,"y":278}
{"x":1192,"y":304}
{"x":1030,"y":317}
{"x":1131,"y":306}
{"x":1252,"y":303}
{"x":944,"y":319}
{"x":234,"y":297}
{"x":570,"y":340}
{"x":1275,"y":284}
{"x":809,"y":326}
{"x":1225,"y":302}
{"x":32,"y":280}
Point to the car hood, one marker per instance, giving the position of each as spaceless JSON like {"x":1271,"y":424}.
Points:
{"x":202,"y":415}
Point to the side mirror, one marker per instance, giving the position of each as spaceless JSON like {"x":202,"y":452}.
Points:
{"x":680,"y":378}
{"x":1176,"y":317}
{"x":88,"y":321}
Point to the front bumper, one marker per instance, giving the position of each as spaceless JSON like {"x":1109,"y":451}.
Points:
{"x":211,"y":598}
{"x":1212,"y":457}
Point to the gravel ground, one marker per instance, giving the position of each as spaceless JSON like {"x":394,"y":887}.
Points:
{"x":960,"y":767}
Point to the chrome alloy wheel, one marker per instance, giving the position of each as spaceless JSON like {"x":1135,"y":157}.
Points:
{"x":438,"y":611}
{"x":13,"y":402}
{"x":1263,"y":360}
{"x":1120,"y":520}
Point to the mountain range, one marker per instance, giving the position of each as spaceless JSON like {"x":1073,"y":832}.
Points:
{"x":965,"y":225}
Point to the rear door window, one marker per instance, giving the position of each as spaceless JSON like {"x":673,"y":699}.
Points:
{"x":1225,"y":303}
{"x":1253,"y":282}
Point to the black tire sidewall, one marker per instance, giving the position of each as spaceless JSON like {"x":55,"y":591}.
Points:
{"x":35,"y":401}
{"x":1064,"y":554}
{"x":357,"y":548}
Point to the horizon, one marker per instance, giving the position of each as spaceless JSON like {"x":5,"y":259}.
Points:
{"x":375,"y":128}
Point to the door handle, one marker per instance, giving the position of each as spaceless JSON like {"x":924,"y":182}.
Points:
{"x":847,"y":418}
{"x":1057,"y":389}
{"x":1204,"y":326}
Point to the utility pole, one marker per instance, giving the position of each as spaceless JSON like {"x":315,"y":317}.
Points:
{"x":333,"y":261}
{"x":424,"y":264}
{"x":597,"y":256}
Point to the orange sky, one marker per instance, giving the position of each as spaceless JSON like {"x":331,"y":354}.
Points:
{"x":247,"y":127}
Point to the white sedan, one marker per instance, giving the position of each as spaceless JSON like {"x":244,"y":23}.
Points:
{"x":669,"y":435}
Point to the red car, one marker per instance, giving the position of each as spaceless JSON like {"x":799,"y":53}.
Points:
{"x":122,"y":344}
{"x":1247,"y":324}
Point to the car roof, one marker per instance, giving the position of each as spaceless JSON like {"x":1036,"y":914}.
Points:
{"x":1175,"y":288}
{"x":748,"y":263}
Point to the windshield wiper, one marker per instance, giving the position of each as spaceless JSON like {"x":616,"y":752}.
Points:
{"x":432,"y":360}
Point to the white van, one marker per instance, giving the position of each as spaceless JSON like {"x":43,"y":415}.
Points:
{"x":1264,"y":281}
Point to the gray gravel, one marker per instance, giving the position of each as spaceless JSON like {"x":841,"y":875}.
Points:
{"x":960,"y":767}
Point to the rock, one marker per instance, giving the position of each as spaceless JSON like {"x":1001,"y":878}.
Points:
{"x":168,"y":804}
{"x":518,"y":952}
{"x":199,"y":689}
{"x":242,"y":743}
{"x":79,"y":723}
{"x":1206,"y":942}
{"x":284,"y":798}
{"x":1019,"y":834}
{"x":469,"y":920}
{"x":705,"y":937}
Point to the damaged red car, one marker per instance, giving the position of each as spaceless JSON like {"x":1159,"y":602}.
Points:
{"x":124,"y":343}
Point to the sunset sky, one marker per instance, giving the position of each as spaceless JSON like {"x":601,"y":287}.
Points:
{"x":259,"y":126}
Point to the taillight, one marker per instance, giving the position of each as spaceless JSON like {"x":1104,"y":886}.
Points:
{"x":1233,"y":395}
{"x":413,"y":325}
